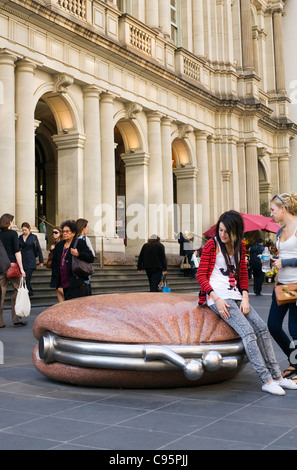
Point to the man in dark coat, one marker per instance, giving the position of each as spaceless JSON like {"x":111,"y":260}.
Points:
{"x":152,"y":258}
{"x":256,"y":265}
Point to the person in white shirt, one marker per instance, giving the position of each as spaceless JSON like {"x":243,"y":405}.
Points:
{"x":284,"y":210}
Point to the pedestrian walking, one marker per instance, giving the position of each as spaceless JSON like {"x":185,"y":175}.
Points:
{"x":62,"y":274}
{"x":152,"y":258}
{"x":30,"y":249}
{"x":223,"y":277}
{"x":256,"y":265}
{"x":82,"y":230}
{"x":57,"y":237}
{"x":284,"y":210}
{"x":10,"y":242}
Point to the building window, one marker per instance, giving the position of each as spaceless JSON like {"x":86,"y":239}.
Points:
{"x":175,"y":20}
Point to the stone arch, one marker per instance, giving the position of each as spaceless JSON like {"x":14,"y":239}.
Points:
{"x":265,"y":186}
{"x":181,"y":152}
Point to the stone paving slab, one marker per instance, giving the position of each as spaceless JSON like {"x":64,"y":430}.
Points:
{"x":39,"y":414}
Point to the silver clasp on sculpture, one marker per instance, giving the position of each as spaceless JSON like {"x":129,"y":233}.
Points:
{"x":194,"y":360}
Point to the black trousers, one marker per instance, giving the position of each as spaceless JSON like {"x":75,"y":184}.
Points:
{"x":154,"y":276}
{"x":75,"y":292}
{"x":28,"y":281}
{"x":258,"y":280}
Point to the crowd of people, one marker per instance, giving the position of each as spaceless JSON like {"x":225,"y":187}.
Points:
{"x":221,"y":272}
{"x":23,"y":250}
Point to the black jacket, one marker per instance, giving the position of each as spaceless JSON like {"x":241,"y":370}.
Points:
{"x":84,"y":254}
{"x":255,"y":251}
{"x":30,"y":249}
{"x":152,"y":255}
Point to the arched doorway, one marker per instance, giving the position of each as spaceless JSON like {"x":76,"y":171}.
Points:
{"x":120,"y":186}
{"x":45,"y":164}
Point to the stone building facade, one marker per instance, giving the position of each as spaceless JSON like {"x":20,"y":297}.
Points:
{"x":141,"y":116}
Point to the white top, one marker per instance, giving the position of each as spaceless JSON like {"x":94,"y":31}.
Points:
{"x":224,"y":284}
{"x":287,"y":250}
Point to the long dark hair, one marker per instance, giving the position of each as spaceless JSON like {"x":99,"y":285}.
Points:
{"x":233,"y":222}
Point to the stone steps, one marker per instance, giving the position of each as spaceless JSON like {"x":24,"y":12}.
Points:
{"x":108,"y":280}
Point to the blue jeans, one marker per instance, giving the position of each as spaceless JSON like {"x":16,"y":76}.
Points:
{"x":275,"y":325}
{"x":256,"y":340}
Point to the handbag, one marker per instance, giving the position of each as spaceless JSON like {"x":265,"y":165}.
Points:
{"x":162,"y":287}
{"x":22,"y":302}
{"x":162,"y":283}
{"x":14,"y":270}
{"x":185,"y":263}
{"x":81,"y":268}
{"x":286,"y":293}
{"x":49,"y":261}
{"x":4,"y":260}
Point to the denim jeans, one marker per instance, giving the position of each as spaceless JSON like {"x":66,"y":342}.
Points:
{"x":275,"y":325}
{"x":256,"y":340}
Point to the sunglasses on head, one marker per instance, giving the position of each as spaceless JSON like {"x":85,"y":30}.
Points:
{"x":278,"y":197}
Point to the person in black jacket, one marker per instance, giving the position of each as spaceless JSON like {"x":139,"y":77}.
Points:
{"x":30,"y":249}
{"x":10,"y":240}
{"x":62,"y":275}
{"x":256,"y":265}
{"x":152,"y":258}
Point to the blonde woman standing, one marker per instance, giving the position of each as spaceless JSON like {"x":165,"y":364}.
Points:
{"x":284,"y":210}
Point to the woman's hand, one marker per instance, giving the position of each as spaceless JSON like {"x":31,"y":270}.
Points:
{"x":245,"y":305}
{"x":277,"y":263}
{"x":74,"y":252}
{"x":222,"y":307}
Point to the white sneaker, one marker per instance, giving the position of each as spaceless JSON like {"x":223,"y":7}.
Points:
{"x":287,"y":383}
{"x":273,"y":388}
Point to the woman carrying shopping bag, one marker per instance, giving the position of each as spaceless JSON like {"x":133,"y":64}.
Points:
{"x":10,"y":242}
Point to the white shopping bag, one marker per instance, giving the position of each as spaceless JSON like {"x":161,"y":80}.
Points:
{"x":23,"y":303}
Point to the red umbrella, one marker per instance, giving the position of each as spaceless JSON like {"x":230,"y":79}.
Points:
{"x":251,"y":222}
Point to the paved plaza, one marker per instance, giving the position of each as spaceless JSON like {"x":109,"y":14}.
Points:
{"x":38,"y":413}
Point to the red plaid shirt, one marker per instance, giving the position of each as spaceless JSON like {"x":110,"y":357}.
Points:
{"x":206,"y":265}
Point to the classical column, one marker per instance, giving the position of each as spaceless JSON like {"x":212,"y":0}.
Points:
{"x":279,"y":52}
{"x":235,"y":186}
{"x":108,"y":162}
{"x":136,"y":171}
{"x":246,"y":35}
{"x":252,"y":177}
{"x":155,"y":169}
{"x":213,"y":187}
{"x":242,"y":176}
{"x":284,"y":173}
{"x":70,"y":149}
{"x":186,"y":189}
{"x":7,"y":133}
{"x":220,"y":30}
{"x":25,"y":143}
{"x":167,"y":178}
{"x":92,"y":154}
{"x":138,"y":9}
{"x":152,"y":13}
{"x":164,"y":17}
{"x":203,"y":177}
{"x":198,"y":28}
